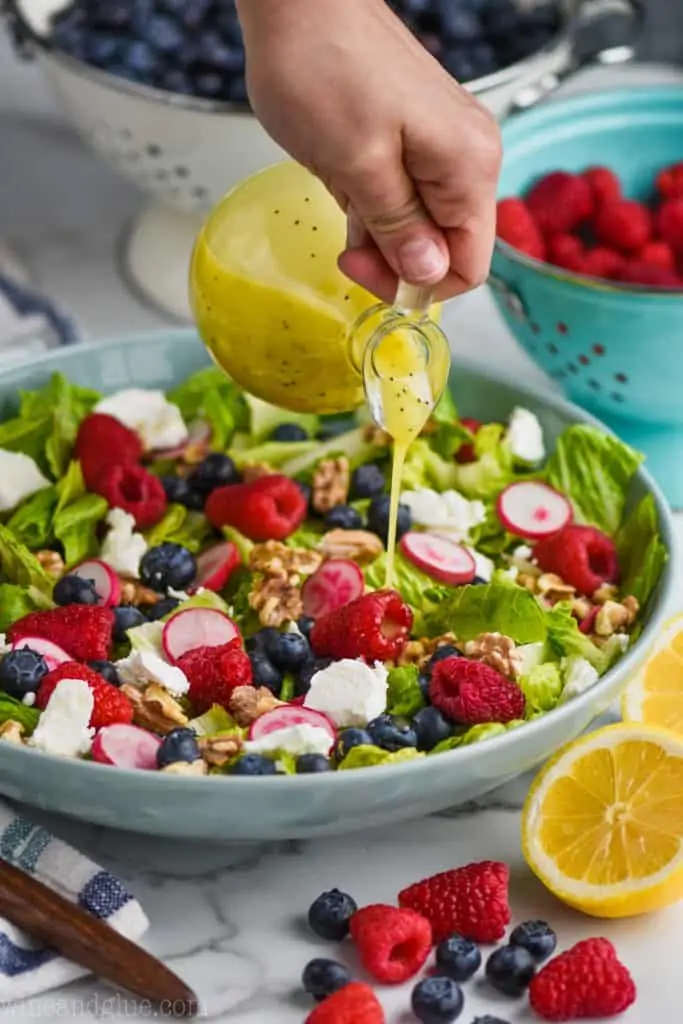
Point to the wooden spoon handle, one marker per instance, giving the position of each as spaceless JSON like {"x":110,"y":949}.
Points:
{"x":88,"y":941}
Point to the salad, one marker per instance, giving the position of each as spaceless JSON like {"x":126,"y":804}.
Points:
{"x":195,"y":582}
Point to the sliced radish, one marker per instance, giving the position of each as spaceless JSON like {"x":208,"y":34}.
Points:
{"x":440,"y":557}
{"x":216,"y":565}
{"x":532,"y":509}
{"x":198,"y":436}
{"x":54,"y":655}
{"x":107,"y":584}
{"x":587,"y":624}
{"x":126,"y":746}
{"x":287,"y":716}
{"x":333,"y":585}
{"x":196,"y":627}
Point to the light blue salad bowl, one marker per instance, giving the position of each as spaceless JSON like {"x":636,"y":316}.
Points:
{"x":242,"y":809}
{"x":616,"y":350}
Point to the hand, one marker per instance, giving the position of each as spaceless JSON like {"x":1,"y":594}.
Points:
{"x":409,"y":154}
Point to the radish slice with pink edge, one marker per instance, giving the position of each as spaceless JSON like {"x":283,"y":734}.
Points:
{"x":216,"y":565}
{"x":199,"y":433}
{"x":54,"y":654}
{"x":126,"y":746}
{"x":288,"y":716}
{"x":196,"y":627}
{"x":440,"y":557}
{"x":532,"y":509}
{"x":333,"y":585}
{"x":107,"y":584}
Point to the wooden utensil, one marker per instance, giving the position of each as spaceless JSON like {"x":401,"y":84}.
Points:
{"x":88,"y":941}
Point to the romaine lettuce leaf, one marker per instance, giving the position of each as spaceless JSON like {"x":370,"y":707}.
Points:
{"x":71,"y":486}
{"x":179,"y":526}
{"x":367,"y":756}
{"x":641,"y":550}
{"x":273,"y":453}
{"x":243,"y":544}
{"x":565,"y":639}
{"x":16,"y":711}
{"x":19,"y":565}
{"x":404,"y":696}
{"x":147,"y":637}
{"x":32,"y":522}
{"x":477,"y":733}
{"x":213,"y":722}
{"x":351,"y":444}
{"x":75,"y":527}
{"x":424,"y":467}
{"x":447,"y":432}
{"x":542,"y":687}
{"x":500,"y":606}
{"x":307,"y":536}
{"x":493,"y":467}
{"x":15,"y":602}
{"x":424,"y":595}
{"x":264,"y":418}
{"x":212,"y":396}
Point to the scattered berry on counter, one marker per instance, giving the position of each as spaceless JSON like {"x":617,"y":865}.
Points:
{"x":289,"y":432}
{"x":270,"y":508}
{"x":106,"y":669}
{"x":111,"y":707}
{"x":312,"y":764}
{"x":375,"y":627}
{"x":343,"y":517}
{"x":378,"y":518}
{"x":349,"y":1005}
{"x":253,"y":764}
{"x":217,"y":470}
{"x":471,"y":901}
{"x":168,"y":565}
{"x":322,"y":977}
{"x":214,"y":672}
{"x":587,"y":980}
{"x":431,"y":727}
{"x":73,"y":589}
{"x":329,"y":915}
{"x":392,"y":733}
{"x":135,"y":490}
{"x":83,"y":631}
{"x":367,"y":482}
{"x":582,"y":556}
{"x":437,"y":1000}
{"x":537,"y":937}
{"x":393,"y":944}
{"x":472,"y":693}
{"x":21,"y":672}
{"x":510,"y":970}
{"x":101,"y":441}
{"x":178,"y":745}
{"x":126,"y":616}
{"x":458,"y":957}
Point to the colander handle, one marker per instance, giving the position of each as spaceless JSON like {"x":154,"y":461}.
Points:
{"x":587,"y":14}
{"x":23,"y":36}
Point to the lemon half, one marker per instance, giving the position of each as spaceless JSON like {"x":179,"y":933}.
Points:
{"x":655,"y":695}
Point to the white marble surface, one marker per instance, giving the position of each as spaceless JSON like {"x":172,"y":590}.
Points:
{"x":229,"y":919}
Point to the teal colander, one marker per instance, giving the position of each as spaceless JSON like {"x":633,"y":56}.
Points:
{"x":617,"y":351}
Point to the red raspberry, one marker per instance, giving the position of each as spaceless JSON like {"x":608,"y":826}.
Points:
{"x":471,"y":693}
{"x":670,"y":182}
{"x":586,"y":981}
{"x":214,"y":672}
{"x":658,"y":254}
{"x":582,"y":556}
{"x":83,"y":630}
{"x":516,"y":226}
{"x":111,"y":706}
{"x":638,"y":272}
{"x":135,"y":490}
{"x":566,"y":251}
{"x":465,"y":452}
{"x":375,"y":627}
{"x":624,"y":225}
{"x":269,"y":508}
{"x":392,"y":944}
{"x":604,"y":184}
{"x":103,"y":441}
{"x":669,"y":223}
{"x":560,"y":201}
{"x":354,"y":1004}
{"x":472,"y":901}
{"x":603,"y":262}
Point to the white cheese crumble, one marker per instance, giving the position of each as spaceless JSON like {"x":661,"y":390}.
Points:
{"x":525,"y":436}
{"x":28,"y":699}
{"x":20,"y":478}
{"x":579,"y":676}
{"x":144,"y":666}
{"x":293,"y":739}
{"x":449,"y":512}
{"x":157,"y":422}
{"x":123,"y":548}
{"x":63,"y":727}
{"x":483,"y":566}
{"x":349,"y":692}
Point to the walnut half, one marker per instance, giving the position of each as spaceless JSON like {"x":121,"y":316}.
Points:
{"x":12,"y":732}
{"x":616,"y":618}
{"x":496,"y":650}
{"x":359,"y":545}
{"x":247,"y":703}
{"x":218,"y":750}
{"x":154,"y":708}
{"x":418,"y":652}
{"x":331,"y":482}
{"x":276,"y":596}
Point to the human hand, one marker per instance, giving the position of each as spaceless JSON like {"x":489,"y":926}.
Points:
{"x":411,"y":156}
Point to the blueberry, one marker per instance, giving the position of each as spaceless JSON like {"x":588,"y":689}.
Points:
{"x":459,"y":62}
{"x":178,"y":745}
{"x":458,"y":958}
{"x":391,"y":733}
{"x":444,"y":652}
{"x":21,"y":672}
{"x":193,"y":15}
{"x":343,"y":517}
{"x":305,"y":624}
{"x":259,"y":640}
{"x":321,"y":978}
{"x":162,"y":608}
{"x":208,"y":84}
{"x":478,"y":580}
{"x":213,"y":52}
{"x":437,"y":1000}
{"x":311,"y":764}
{"x":216,"y":470}
{"x":236,"y":91}
{"x":500,"y":17}
{"x":164,"y":34}
{"x":111,"y":13}
{"x":510,"y":970}
{"x":458,"y":24}
{"x":488,"y":1019}
{"x":289,"y":432}
{"x":367,"y":481}
{"x":141,"y":58}
{"x":126,"y":617}
{"x":178,"y":80}
{"x":288,"y":651}
{"x":227,"y":23}
{"x":537,"y":937}
{"x":423,"y":681}
{"x":431,"y":727}
{"x":306,"y":490}
{"x":75,"y":590}
{"x":264,"y":672}
{"x":179,"y":492}
{"x":168,"y":565}
{"x":107,"y":670}
{"x":253,"y":764}
{"x":302,"y":682}
{"x":330,"y":914}
{"x":543,"y":16}
{"x":350,"y":738}
{"x":378,"y":518}
{"x":103,"y":50}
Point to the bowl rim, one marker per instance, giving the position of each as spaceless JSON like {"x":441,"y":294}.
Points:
{"x":585,"y":103}
{"x":451,"y":758}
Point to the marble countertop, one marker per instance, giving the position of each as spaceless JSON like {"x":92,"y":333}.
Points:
{"x":229,"y":919}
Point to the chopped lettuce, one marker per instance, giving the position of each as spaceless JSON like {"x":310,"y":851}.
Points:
{"x":500,"y":606}
{"x":565,"y":639}
{"x":207,"y":599}
{"x":477,"y":733}
{"x":147,"y":637}
{"x":424,"y":595}
{"x":307,"y":536}
{"x":405,"y":697}
{"x":31,"y":524}
{"x":352,"y":444}
{"x":365,"y":756}
{"x":179,"y":526}
{"x":75,"y":527}
{"x":424,"y":467}
{"x":288,"y":689}
{"x":264,"y":418}
{"x":641,"y":550}
{"x":212,"y":396}
{"x":493,"y":467}
{"x":216,"y":721}
{"x":273,"y":453}
{"x":594,"y":470}
{"x":542,"y":687}
{"x":19,"y":565}
{"x":243,"y":544}
{"x":71,"y":486}
{"x":15,"y":602}
{"x":448,"y":433}
{"x":16,"y":711}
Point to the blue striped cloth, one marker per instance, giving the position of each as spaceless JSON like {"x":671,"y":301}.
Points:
{"x":27,"y":968}
{"x":30,"y":323}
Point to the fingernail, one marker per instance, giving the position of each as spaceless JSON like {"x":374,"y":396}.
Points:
{"x":422,"y":261}
{"x":355,"y":232}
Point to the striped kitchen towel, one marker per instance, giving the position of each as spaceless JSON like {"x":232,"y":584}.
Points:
{"x":30,"y":323}
{"x":27,"y":968}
